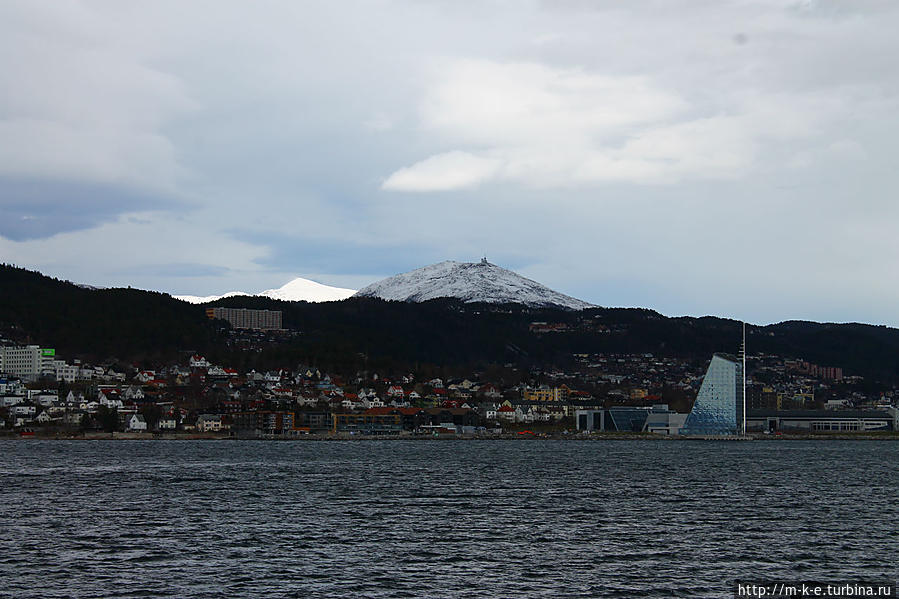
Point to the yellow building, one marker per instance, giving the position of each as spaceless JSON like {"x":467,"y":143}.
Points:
{"x":547,"y":394}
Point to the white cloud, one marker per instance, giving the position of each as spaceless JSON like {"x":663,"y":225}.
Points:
{"x":559,"y":127}
{"x":490,"y":102}
{"x":453,"y":170}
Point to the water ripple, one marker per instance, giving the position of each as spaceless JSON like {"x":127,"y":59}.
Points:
{"x":440,"y":519}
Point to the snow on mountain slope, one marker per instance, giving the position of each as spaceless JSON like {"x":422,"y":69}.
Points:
{"x":470,"y":282}
{"x":309,"y":291}
{"x":297,"y":290}
{"x":197,"y":299}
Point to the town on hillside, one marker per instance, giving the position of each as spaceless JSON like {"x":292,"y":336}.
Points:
{"x":42,"y":394}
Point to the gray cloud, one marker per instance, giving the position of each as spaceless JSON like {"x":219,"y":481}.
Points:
{"x":720,"y":157}
{"x":294,"y":253}
{"x":37,"y":208}
{"x":179,"y":270}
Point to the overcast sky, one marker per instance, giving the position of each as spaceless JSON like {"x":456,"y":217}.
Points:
{"x":734,"y":158}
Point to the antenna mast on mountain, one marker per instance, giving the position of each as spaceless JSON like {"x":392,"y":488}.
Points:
{"x":743,"y":355}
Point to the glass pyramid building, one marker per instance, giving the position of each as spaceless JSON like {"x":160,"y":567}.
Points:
{"x":718,"y":409}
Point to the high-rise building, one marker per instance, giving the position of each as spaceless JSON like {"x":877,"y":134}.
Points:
{"x":719,"y":407}
{"x":244,"y":318}
{"x":26,"y":362}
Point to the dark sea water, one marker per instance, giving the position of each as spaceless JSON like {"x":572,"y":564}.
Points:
{"x":441,"y":518}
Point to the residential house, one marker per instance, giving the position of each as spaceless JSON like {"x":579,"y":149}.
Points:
{"x":506,"y":413}
{"x":209,"y":423}
{"x":134,"y":393}
{"x":7,"y":401}
{"x":25,"y":411}
{"x":198,"y":361}
{"x":166,"y":423}
{"x":137,"y":423}
{"x":145,"y":376}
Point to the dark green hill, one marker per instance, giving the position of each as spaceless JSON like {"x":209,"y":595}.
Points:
{"x":96,"y":324}
{"x":369,"y":333}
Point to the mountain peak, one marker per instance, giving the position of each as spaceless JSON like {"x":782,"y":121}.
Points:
{"x":297,"y":290}
{"x":470,"y":282}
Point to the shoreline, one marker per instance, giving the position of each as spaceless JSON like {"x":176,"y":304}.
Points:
{"x":123,"y":436}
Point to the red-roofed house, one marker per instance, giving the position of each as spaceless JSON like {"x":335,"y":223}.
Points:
{"x":506,"y":413}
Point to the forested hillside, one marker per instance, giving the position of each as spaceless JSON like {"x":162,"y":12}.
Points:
{"x":135,"y":325}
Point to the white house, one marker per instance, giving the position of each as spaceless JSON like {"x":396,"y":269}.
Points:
{"x":64,"y":372}
{"x":109,"y":402}
{"x":311,"y":400}
{"x":11,"y":387}
{"x":24,"y":411}
{"x":166,"y":423}
{"x":114,"y":376}
{"x":216,"y":371}
{"x":209,"y":423}
{"x":134,"y":392}
{"x":46,"y":398}
{"x":490,"y":391}
{"x":145,"y":376}
{"x":367,"y":393}
{"x":372,"y":402}
{"x":506,"y":413}
{"x":7,"y":401}
{"x":137,"y":423}
{"x":197,"y":361}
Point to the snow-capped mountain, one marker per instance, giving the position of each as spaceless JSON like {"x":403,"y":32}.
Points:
{"x":308,"y":291}
{"x":298,"y":290}
{"x":469,"y":282}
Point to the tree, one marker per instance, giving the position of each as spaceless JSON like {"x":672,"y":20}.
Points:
{"x":151,"y":413}
{"x":87,"y":423}
{"x":108,"y":418}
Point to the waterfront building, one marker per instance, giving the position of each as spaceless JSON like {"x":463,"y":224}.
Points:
{"x":826,"y":421}
{"x":367,"y":423}
{"x":209,"y":423}
{"x":625,"y":419}
{"x":137,"y":423}
{"x":315,"y":421}
{"x":664,"y":421}
{"x":631,"y":419}
{"x":263,"y":422}
{"x":719,"y":407}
